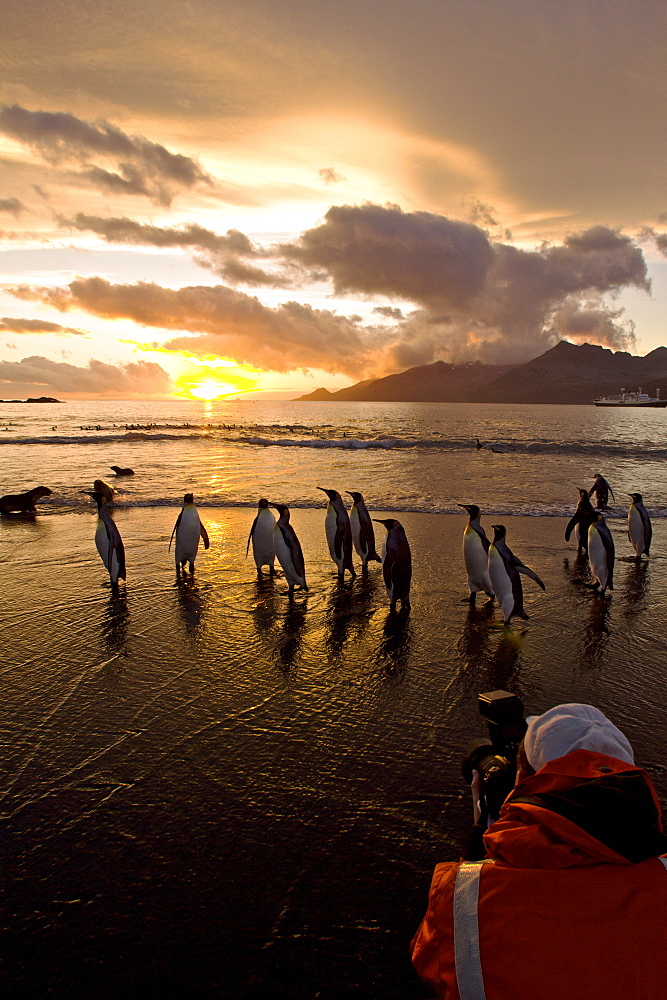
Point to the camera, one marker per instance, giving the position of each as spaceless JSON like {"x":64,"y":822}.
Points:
{"x":495,"y":758}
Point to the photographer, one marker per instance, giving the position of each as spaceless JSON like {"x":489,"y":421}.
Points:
{"x":570,"y":900}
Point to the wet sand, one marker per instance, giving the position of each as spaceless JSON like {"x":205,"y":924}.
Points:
{"x":210,"y":789}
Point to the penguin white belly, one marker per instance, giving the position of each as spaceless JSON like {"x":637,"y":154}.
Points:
{"x":355,"y":525}
{"x":284,"y":556}
{"x":476,"y":562}
{"x":330,"y":527}
{"x":263,"y":539}
{"x":636,"y":530}
{"x":597,"y":556}
{"x":500,"y":582}
{"x":187,"y":536}
{"x":102,"y":542}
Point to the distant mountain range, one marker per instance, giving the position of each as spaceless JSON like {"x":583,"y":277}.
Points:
{"x":567,"y":373}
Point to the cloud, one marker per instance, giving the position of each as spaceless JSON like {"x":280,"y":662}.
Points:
{"x":221,"y":254}
{"x":479,"y":299}
{"x":142,"y":167}
{"x":389,"y":312}
{"x":12,"y":325}
{"x":225,"y":322}
{"x":12,"y":206}
{"x":331,"y":176}
{"x":40,"y":374}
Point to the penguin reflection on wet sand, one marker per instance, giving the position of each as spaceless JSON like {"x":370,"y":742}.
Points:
{"x":363,"y":535}
{"x":580,"y":522}
{"x":396,"y":564}
{"x":640,"y":531}
{"x":601,"y":555}
{"x":108,"y":541}
{"x":262,"y":536}
{"x":339,"y":533}
{"x":476,"y":554}
{"x":188,"y":530}
{"x":505,"y":569}
{"x":288,"y":550}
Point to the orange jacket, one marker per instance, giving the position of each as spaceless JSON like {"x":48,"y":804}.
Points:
{"x":575,"y":905}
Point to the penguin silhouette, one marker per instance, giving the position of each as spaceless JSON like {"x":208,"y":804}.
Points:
{"x":262,"y":536}
{"x":581,"y":521}
{"x":396,"y":563}
{"x":476,"y":554}
{"x":107,"y":540}
{"x":601,"y":554}
{"x":288,"y":549}
{"x":363,"y":535}
{"x":640,"y":531}
{"x":338,"y":532}
{"x":188,"y":530}
{"x":504,"y":570}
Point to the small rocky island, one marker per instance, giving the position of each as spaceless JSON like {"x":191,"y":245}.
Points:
{"x":40,"y":399}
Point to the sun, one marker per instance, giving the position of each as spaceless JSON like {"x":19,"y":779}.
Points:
{"x":209,"y":389}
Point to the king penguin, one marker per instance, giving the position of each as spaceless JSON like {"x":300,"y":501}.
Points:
{"x":363,"y":536}
{"x":640,"y":531}
{"x":583,"y":517}
{"x":504,"y":570}
{"x":108,"y":541}
{"x":476,"y":554}
{"x":396,"y":564}
{"x":288,"y":550}
{"x":601,"y":554}
{"x":262,"y":535}
{"x":339,"y":533}
{"x":188,"y":530}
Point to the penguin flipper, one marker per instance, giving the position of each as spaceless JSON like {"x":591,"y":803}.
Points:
{"x":571,"y":525}
{"x":339,"y":540}
{"x":533,"y":576}
{"x":252,"y":532}
{"x":204,"y":534}
{"x":115,"y":548}
{"x":178,"y":521}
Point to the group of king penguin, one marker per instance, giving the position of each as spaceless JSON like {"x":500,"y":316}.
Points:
{"x":273,"y":539}
{"x":345,"y":531}
{"x":493,"y":568}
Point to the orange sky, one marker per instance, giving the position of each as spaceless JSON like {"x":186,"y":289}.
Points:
{"x":237,"y":198}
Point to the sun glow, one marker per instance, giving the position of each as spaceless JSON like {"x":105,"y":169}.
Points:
{"x":209,"y":389}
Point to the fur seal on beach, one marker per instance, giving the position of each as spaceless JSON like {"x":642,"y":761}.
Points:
{"x":581,"y":521}
{"x":504,"y":570}
{"x":121,"y":472}
{"x":107,"y":491}
{"x":363,"y":535}
{"x":188,"y":530}
{"x":108,"y":541}
{"x":288,"y":549}
{"x":24,"y":502}
{"x":396,"y":563}
{"x":476,"y":554}
{"x":262,"y":536}
{"x":601,"y":554}
{"x":640,"y":531}
{"x":338,"y":532}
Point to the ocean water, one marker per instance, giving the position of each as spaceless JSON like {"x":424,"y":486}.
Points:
{"x":402,"y":457}
{"x":212,"y":790}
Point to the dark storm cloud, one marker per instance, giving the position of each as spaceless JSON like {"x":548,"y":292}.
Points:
{"x":221,"y":254}
{"x":12,"y":325}
{"x":12,"y":206}
{"x":224,"y":322}
{"x":139,"y":377}
{"x":142,"y":166}
{"x":376,"y":250}
{"x":478,"y":298}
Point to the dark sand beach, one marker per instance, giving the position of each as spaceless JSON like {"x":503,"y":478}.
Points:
{"x":211,"y":790}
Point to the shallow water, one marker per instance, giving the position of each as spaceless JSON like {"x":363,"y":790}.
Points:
{"x":211,"y":790}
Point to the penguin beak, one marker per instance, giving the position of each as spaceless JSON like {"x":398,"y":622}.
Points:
{"x":466,"y":506}
{"x":87,"y":493}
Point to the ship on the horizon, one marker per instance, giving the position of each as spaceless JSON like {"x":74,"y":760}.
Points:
{"x":632,"y":399}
